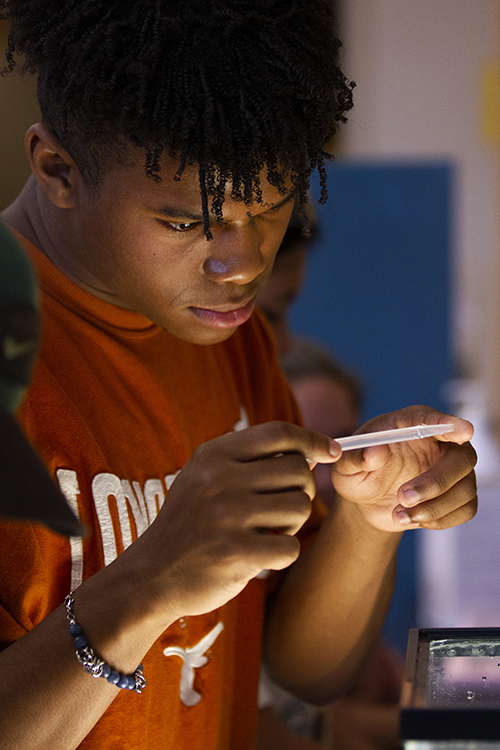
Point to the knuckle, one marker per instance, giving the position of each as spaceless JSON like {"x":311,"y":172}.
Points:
{"x":470,"y":454}
{"x":285,"y":552}
{"x":437,"y":524}
{"x":432,"y":515}
{"x":303,"y":505}
{"x":203,"y":454}
{"x":206,"y":475}
{"x":289,"y":429}
{"x":470,"y":488}
{"x":282,"y":431}
{"x":469,"y":458}
{"x":460,"y":516}
{"x":292,"y":545}
{"x":439,"y":485}
{"x":466,"y":455}
{"x":471,"y":509}
{"x":310,"y":488}
{"x":472,"y":480}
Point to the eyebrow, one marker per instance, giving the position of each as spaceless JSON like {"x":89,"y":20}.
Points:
{"x":177,"y":212}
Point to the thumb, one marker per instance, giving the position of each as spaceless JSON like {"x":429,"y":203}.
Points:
{"x":322,"y":450}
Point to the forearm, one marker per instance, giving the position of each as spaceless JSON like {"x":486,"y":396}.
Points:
{"x":47,"y":698}
{"x":329,"y":609}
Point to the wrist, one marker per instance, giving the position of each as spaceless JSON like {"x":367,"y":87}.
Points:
{"x":92,"y":663}
{"x":353,"y":516}
{"x":117,"y":615}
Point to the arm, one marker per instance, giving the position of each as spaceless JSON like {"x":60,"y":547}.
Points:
{"x":203,"y":548}
{"x":339,"y":596}
{"x":200,"y":552}
{"x":47,"y":698}
{"x":329,"y":610}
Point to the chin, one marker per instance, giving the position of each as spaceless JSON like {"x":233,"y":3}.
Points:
{"x":206,"y":337}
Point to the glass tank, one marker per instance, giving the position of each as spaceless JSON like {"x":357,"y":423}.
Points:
{"x":451,"y":691}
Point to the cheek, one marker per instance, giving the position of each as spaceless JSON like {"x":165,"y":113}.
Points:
{"x":128,"y":249}
{"x":151,"y":273}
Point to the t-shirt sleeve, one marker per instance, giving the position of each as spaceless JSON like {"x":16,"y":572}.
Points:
{"x":33,"y":582}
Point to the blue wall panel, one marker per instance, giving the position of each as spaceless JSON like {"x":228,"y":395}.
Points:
{"x":377,"y":294}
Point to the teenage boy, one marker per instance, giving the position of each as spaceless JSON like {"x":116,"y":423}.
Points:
{"x":176,"y":137}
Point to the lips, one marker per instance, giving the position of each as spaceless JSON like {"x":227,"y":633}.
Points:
{"x":224,"y":319}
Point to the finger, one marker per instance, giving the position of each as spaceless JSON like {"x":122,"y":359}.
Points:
{"x":462,"y":433}
{"x":414,"y":416}
{"x":363,"y":460}
{"x":455,"y":518}
{"x":278,"y":473}
{"x":285,"y":512}
{"x":273,"y":474}
{"x":454,"y":464}
{"x":272,"y":438}
{"x":273,"y":551}
{"x":431,"y":514}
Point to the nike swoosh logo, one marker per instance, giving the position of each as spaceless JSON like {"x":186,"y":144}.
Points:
{"x":12,"y":349}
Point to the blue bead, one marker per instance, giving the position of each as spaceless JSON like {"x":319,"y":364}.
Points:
{"x":74,"y":629}
{"x":123,"y":681}
{"x":80,"y":641}
{"x":106,"y":671}
{"x":141,"y":667}
{"x":113,"y":677}
{"x":131,"y":682}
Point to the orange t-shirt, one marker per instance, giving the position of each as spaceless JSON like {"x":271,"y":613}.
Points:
{"x":116,"y":408}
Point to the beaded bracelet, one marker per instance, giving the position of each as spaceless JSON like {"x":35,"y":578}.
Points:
{"x":93,"y":664}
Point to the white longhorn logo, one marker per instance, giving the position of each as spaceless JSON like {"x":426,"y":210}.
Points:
{"x":193,"y":657}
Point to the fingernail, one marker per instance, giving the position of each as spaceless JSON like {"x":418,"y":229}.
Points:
{"x":334,"y":449}
{"x":403,"y":517}
{"x":411,"y":496}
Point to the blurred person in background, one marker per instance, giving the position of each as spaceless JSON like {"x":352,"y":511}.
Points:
{"x":329,"y":395}
{"x":330,"y":398}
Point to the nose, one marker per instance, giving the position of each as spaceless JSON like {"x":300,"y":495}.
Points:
{"x":235,"y":255}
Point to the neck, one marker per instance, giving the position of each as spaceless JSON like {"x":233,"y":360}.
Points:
{"x":26,"y":216}
{"x":49,"y":228}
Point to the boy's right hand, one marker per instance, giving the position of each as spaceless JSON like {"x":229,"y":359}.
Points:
{"x":211,"y":536}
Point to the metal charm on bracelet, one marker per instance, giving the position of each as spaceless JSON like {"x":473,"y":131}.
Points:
{"x":93,"y":664}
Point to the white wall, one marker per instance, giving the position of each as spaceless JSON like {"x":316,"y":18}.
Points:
{"x":418,"y":68}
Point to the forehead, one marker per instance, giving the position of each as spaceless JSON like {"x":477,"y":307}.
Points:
{"x":180,"y":195}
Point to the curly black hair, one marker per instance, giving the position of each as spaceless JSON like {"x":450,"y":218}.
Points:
{"x":234,"y":86}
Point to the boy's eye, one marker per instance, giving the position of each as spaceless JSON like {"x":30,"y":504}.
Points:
{"x":183,"y":226}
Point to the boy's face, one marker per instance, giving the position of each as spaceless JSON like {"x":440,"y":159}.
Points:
{"x":141,"y":245}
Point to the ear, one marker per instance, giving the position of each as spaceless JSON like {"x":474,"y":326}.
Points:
{"x":52,"y":166}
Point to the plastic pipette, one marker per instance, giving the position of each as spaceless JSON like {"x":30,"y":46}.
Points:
{"x":399,"y":435}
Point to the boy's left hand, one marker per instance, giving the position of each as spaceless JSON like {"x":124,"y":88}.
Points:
{"x":428,"y":483}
